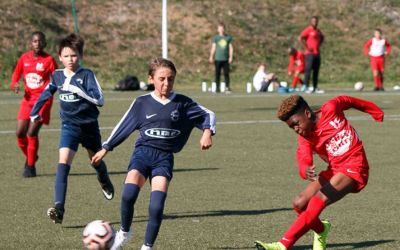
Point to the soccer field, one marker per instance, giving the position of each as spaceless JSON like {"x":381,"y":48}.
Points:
{"x":225,"y":198}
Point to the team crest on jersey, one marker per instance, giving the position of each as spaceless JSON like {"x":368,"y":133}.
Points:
{"x":336,"y":123}
{"x":162,"y":133}
{"x":39,"y":67}
{"x":340,"y":143}
{"x":80,"y":81}
{"x":175,"y":115}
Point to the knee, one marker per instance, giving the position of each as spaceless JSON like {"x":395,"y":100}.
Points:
{"x":299,"y":203}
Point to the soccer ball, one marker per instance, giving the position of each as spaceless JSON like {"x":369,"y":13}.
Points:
{"x":98,"y":235}
{"x":359,"y":86}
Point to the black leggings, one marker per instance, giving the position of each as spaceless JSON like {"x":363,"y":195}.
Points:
{"x":313,"y":63}
{"x":218,"y":66}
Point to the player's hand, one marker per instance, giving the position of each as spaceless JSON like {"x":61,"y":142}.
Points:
{"x":289,"y":73}
{"x":96,"y":159}
{"x":16,"y":89}
{"x":211,"y":60}
{"x":311,"y":174}
{"x":206,"y":140}
{"x":230,"y":60}
{"x":35,"y":118}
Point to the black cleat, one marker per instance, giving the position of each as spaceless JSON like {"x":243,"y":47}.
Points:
{"x":29,"y":171}
{"x":55,"y":214}
{"x":107,"y":188}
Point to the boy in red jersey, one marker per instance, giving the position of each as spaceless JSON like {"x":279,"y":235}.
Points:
{"x":37,"y":67}
{"x":311,"y":38}
{"x":328,"y":133}
{"x":377,"y":48}
{"x":296,"y":57}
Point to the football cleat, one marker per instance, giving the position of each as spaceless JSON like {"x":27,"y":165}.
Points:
{"x":120,"y":239}
{"x":29,"y":172}
{"x":55,"y":214}
{"x":144,"y":247}
{"x":107,"y":188}
{"x":269,"y":246}
{"x":320,"y":239}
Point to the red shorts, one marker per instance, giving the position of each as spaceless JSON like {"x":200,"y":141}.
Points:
{"x":360,"y":175}
{"x":299,"y":69}
{"x":377,"y":63}
{"x":26,"y":108}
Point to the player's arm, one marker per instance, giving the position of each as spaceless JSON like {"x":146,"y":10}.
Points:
{"x":124,"y":128}
{"x":203,"y":119}
{"x":347,"y":102}
{"x":302,"y":39}
{"x":212,"y":52}
{"x":388,"y":48}
{"x":230,"y":60}
{"x":322,"y":38}
{"x":367,"y":46}
{"x":91,"y":91}
{"x":46,"y":94}
{"x":16,"y":76}
{"x":305,"y":161}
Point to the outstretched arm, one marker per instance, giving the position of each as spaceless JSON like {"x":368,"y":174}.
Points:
{"x":305,"y":159}
{"x":347,"y":102}
{"x":206,"y":139}
{"x":46,"y":94}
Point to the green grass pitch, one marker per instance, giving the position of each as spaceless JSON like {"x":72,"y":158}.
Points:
{"x":224,"y":198}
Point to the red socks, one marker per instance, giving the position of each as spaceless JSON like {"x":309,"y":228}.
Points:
{"x":32,"y":149}
{"x":296,"y":80}
{"x":23,"y":144}
{"x":378,"y":81}
{"x":307,"y":220}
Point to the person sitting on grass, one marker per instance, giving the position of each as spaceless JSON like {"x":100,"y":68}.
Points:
{"x":329,"y":134}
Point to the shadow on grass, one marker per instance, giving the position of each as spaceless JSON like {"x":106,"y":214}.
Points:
{"x":201,"y":214}
{"x":350,"y":245}
{"x":341,"y":246}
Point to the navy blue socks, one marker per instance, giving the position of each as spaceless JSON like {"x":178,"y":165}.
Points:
{"x":101,"y":170}
{"x":156,"y":210}
{"x":61,"y":183}
{"x":128,"y":199}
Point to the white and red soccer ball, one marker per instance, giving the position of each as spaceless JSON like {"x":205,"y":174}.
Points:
{"x":98,"y":235}
{"x":359,"y":86}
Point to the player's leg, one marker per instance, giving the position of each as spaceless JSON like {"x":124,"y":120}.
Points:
{"x":309,"y":58}
{"x":226,"y":75}
{"x":375,"y":72}
{"x":69,"y":143}
{"x":337,"y":187}
{"x":134,"y":181}
{"x":218,"y":67}
{"x":91,"y":140}
{"x":381,"y":68}
{"x":33,"y":143}
{"x":21,"y":131}
{"x":316,"y":66}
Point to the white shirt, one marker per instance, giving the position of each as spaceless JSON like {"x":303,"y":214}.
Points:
{"x":377,"y":47}
{"x":258,"y":79}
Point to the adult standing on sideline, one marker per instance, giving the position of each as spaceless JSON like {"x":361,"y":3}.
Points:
{"x":377,"y":48}
{"x":36,"y":66}
{"x":311,"y":38}
{"x":221,"y":55}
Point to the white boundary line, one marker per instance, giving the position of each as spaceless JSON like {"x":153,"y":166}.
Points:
{"x":245,"y":122}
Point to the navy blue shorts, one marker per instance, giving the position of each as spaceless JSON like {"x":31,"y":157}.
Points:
{"x":152,"y":162}
{"x":86,"y":134}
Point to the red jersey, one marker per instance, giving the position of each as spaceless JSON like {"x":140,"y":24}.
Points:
{"x":333,"y":138}
{"x":375,"y":47}
{"x":36,"y":71}
{"x":297,"y":59}
{"x":314,"y":39}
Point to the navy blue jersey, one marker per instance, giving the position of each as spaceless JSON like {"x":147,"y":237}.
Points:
{"x":79,"y":94}
{"x":165,"y":125}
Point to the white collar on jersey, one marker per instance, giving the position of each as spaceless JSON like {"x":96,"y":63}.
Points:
{"x":163,"y":102}
{"x":73,"y":73}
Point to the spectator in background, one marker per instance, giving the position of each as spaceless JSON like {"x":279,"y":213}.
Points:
{"x":296,"y":57}
{"x":311,"y":39}
{"x":262,"y":79}
{"x":221,"y":55}
{"x":377,"y":48}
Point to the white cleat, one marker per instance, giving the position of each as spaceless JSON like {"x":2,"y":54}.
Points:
{"x":120,"y":239}
{"x":144,"y":247}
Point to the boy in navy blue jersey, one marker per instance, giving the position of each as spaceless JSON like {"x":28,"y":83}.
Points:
{"x":79,"y":94}
{"x":164,"y":120}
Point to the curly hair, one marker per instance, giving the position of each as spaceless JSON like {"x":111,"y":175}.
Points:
{"x":292,"y":105}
